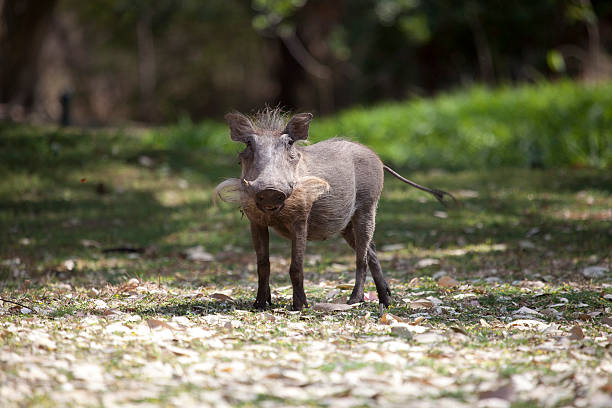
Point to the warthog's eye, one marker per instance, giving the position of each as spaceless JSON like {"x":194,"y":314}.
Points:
{"x":288,"y":140}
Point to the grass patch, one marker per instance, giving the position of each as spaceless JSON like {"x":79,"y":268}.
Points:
{"x":521,"y":241}
{"x":531,"y":126}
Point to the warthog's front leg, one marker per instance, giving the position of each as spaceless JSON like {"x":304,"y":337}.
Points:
{"x":261,"y":239}
{"x":296,"y":270}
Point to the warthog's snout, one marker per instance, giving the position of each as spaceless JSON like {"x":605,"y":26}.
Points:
{"x":270,"y":200}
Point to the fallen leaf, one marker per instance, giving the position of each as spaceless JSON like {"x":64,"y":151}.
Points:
{"x":434,"y":300}
{"x":154,"y":323}
{"x":458,"y":329}
{"x":530,"y":324}
{"x":146,"y":161}
{"x":90,"y":243}
{"x":439,"y":274}
{"x":69,"y":264}
{"x":526,"y":311}
{"x":109,"y":312}
{"x":550,"y":311}
{"x":197,"y":253}
{"x":129,"y":286}
{"x":576,"y":333}
{"x":607,"y":388}
{"x":392,"y":247}
{"x":526,"y":244}
{"x":344,"y":286}
{"x":332,"y":307}
{"x":425,"y":262}
{"x":595,"y":271}
{"x":461,"y":296}
{"x":181,"y":351}
{"x":428,"y":338}
{"x":414,"y":282}
{"x":421,"y":304}
{"x":505,"y":392}
{"x":370,"y":296}
{"x":388,"y":318}
{"x":401,"y":331}
{"x":606,"y":320}
{"x":533,"y":231}
{"x":99,"y":304}
{"x":221,"y":297}
{"x":332,"y":294}
{"x":418,"y":320}
{"x":447,"y":282}
{"x":466,"y":194}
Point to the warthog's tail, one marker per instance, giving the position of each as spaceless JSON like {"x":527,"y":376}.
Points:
{"x":439,"y":194}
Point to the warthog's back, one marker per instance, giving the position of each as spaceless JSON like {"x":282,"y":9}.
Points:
{"x":355,"y":176}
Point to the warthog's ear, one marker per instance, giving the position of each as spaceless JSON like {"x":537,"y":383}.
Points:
{"x":240,"y":126}
{"x":297,"y":128}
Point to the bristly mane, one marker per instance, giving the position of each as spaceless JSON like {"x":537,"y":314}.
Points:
{"x":271,"y":119}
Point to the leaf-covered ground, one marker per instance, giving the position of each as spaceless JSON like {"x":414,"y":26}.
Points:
{"x":122,"y":285}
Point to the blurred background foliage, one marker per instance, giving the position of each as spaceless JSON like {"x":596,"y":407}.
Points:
{"x":535,"y":126}
{"x":517,"y":82}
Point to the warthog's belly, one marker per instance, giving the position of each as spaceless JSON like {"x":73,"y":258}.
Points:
{"x":328,"y":217}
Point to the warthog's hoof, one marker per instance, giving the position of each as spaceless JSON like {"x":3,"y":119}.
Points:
{"x":299,"y":302}
{"x":261,"y":305}
{"x":384,"y":296}
{"x":355,"y":299}
{"x":384,"y":300}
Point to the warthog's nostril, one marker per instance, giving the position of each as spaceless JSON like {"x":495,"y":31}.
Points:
{"x":270,"y":198}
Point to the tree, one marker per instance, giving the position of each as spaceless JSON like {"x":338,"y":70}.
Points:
{"x":23,"y":24}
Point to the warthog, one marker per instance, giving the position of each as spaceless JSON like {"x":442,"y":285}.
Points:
{"x":307,"y":192}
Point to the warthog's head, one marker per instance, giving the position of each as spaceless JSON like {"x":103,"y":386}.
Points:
{"x":270,"y":159}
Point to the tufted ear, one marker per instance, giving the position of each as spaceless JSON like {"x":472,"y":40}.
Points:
{"x":240,"y":126}
{"x":297,"y":128}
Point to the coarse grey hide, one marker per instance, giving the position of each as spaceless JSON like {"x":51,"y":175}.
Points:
{"x":306,"y":192}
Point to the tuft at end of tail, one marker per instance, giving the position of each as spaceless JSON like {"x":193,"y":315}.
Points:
{"x":438,"y":194}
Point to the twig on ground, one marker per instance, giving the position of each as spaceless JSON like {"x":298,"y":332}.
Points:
{"x":130,"y":250}
{"x":19,"y":304}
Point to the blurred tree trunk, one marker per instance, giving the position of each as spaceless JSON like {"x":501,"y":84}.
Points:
{"x":305,"y":76}
{"x":23,"y":24}
{"x":481,"y":41}
{"x":290,"y":75}
{"x":147,"y":66}
{"x":592,"y":24}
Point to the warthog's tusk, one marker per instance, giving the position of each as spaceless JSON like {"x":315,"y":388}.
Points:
{"x":245,"y":181}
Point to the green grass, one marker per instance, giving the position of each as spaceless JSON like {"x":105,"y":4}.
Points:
{"x":64,"y":188}
{"x":521,"y":238}
{"x":546,"y":125}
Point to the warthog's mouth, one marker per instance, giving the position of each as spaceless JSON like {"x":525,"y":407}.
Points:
{"x":271,"y":209}
{"x":233,"y":190}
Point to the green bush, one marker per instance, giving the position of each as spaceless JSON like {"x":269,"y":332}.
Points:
{"x":544,"y":125}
